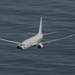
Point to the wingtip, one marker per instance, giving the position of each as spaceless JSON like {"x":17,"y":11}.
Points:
{"x":72,"y":35}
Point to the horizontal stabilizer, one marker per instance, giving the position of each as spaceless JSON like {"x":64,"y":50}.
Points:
{"x":32,"y":33}
{"x":49,"y":33}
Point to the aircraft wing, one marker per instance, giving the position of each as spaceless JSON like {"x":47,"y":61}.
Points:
{"x":59,"y":39}
{"x":9,"y":41}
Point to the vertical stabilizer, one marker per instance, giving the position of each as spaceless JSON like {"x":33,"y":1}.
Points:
{"x":40,"y":27}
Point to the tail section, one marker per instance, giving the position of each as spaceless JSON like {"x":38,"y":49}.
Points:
{"x":40,"y":27}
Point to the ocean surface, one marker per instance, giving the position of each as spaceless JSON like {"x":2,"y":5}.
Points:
{"x":18,"y":18}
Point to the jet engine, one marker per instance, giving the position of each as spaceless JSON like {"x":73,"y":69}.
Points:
{"x":40,"y":45}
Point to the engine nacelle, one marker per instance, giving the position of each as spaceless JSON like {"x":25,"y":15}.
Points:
{"x":40,"y":45}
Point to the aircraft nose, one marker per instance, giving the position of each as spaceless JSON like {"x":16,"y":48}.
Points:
{"x":18,"y":47}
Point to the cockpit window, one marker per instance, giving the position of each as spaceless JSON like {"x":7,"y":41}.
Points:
{"x":22,"y":44}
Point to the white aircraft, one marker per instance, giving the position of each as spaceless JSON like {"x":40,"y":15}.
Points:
{"x":36,"y":40}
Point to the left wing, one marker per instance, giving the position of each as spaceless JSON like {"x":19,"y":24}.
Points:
{"x":58,"y":39}
{"x":9,"y":41}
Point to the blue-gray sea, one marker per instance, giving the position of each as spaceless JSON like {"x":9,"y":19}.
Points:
{"x":18,"y":18}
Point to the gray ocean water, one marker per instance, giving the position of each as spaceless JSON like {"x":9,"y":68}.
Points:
{"x":18,"y":18}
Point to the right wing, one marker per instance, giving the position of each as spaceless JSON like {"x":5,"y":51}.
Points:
{"x":58,"y":39}
{"x":9,"y":41}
